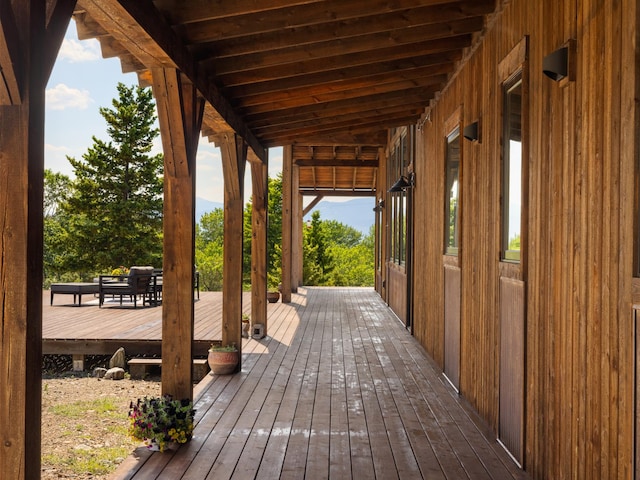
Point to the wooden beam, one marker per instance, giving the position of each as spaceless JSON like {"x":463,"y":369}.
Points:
{"x":437,"y":16}
{"x":287,"y":221}
{"x":153,"y":41}
{"x":312,"y":204}
{"x":58,"y":17}
{"x":270,"y":72}
{"x":328,"y":192}
{"x":260,"y":192}
{"x":297,"y":247}
{"x":336,"y":163}
{"x":338,"y":47}
{"x":234,"y":156}
{"x":302,"y":15}
{"x":180,"y":112}
{"x":10,"y":56}
{"x":21,"y":231}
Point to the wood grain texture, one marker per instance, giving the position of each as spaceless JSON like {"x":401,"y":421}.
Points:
{"x":338,"y":390}
{"x":579,"y":247}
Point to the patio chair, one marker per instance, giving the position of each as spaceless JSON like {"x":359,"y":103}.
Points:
{"x":136,"y":285}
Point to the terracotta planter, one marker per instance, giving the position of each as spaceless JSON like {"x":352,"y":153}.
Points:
{"x":273,"y":297}
{"x":223,"y":363}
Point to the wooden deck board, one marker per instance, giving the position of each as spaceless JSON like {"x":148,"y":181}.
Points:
{"x":88,"y":329}
{"x":339,"y":389}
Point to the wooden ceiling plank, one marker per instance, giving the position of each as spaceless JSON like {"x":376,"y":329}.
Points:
{"x":318,"y":82}
{"x":296,"y":16}
{"x":293,"y":130}
{"x":357,"y":45}
{"x":345,"y":163}
{"x":415,"y":95}
{"x":200,"y":10}
{"x":340,"y":69}
{"x":301,"y":64}
{"x":376,"y":89}
{"x":327,"y":192}
{"x":263,"y":128}
{"x":147,"y":35}
{"x":380,"y":123}
{"x":364,"y":25}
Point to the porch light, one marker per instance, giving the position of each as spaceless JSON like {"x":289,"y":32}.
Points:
{"x":403,"y":183}
{"x":472,"y":132}
{"x":555,"y":65}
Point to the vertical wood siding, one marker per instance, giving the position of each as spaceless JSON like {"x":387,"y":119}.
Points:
{"x":579,"y":413}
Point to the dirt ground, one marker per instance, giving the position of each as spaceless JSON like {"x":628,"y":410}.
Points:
{"x":84,"y":424}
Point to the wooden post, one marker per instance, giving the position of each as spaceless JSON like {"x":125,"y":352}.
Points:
{"x":234,"y":156}
{"x":296,"y":230}
{"x":287,"y":222}
{"x":180,"y":112}
{"x":260,"y":192}
{"x":28,"y":47}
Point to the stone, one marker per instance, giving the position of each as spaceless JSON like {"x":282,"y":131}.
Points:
{"x":99,"y":372}
{"x":115,"y":373}
{"x":118,"y":359}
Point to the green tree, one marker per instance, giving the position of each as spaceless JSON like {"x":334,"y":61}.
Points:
{"x":342,"y":234}
{"x":115,"y":210}
{"x":209,"y":249}
{"x":318,"y":260}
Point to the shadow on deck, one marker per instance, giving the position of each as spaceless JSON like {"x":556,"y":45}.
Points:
{"x":338,"y":389}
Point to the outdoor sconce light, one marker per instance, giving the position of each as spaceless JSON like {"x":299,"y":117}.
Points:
{"x":556,"y":63}
{"x":403,"y":183}
{"x":472,"y":132}
{"x":559,"y":64}
{"x":379,"y":206}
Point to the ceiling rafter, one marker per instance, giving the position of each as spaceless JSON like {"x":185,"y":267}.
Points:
{"x":328,"y":75}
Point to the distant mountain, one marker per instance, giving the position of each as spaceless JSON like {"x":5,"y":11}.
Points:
{"x":357,"y":213}
{"x":204,"y":206}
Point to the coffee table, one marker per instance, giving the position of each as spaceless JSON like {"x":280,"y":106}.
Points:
{"x":74,"y":288}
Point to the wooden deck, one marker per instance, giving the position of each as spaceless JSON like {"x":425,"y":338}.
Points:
{"x":87,"y":329}
{"x":339,"y":389}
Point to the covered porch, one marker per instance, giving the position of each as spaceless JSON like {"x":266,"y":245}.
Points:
{"x":339,"y":389}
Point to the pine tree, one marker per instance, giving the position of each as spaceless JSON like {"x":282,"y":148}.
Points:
{"x":115,"y":209}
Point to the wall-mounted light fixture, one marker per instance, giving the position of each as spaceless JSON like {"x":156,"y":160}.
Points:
{"x":558,"y":65}
{"x":472,"y":132}
{"x":379,"y":206}
{"x":403,"y":183}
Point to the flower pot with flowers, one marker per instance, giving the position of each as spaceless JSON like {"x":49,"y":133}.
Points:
{"x":161,"y":422}
{"x":223,"y":360}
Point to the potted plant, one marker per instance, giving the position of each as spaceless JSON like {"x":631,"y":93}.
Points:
{"x":273,"y":291}
{"x":223,"y":360}
{"x":161,"y":422}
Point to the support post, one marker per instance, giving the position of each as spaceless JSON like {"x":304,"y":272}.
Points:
{"x":234,"y":156}
{"x":287,"y":222}
{"x":180,"y":112}
{"x":297,"y":247}
{"x":260,"y":192}
{"x":30,"y":35}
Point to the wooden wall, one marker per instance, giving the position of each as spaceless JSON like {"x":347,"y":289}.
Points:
{"x":579,"y":340}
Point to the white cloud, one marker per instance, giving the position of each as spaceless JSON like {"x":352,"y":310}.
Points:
{"x":75,"y":51}
{"x":61,"y":97}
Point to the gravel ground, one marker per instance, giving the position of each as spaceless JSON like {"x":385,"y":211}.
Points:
{"x":84,"y":421}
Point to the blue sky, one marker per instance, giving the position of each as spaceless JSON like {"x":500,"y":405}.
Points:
{"x":82,"y":82}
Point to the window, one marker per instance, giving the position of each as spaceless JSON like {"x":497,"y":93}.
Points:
{"x":512,"y":169}
{"x":451,"y":213}
{"x":399,"y":160}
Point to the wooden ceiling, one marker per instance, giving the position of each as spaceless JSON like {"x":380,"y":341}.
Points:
{"x":335,"y":73}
